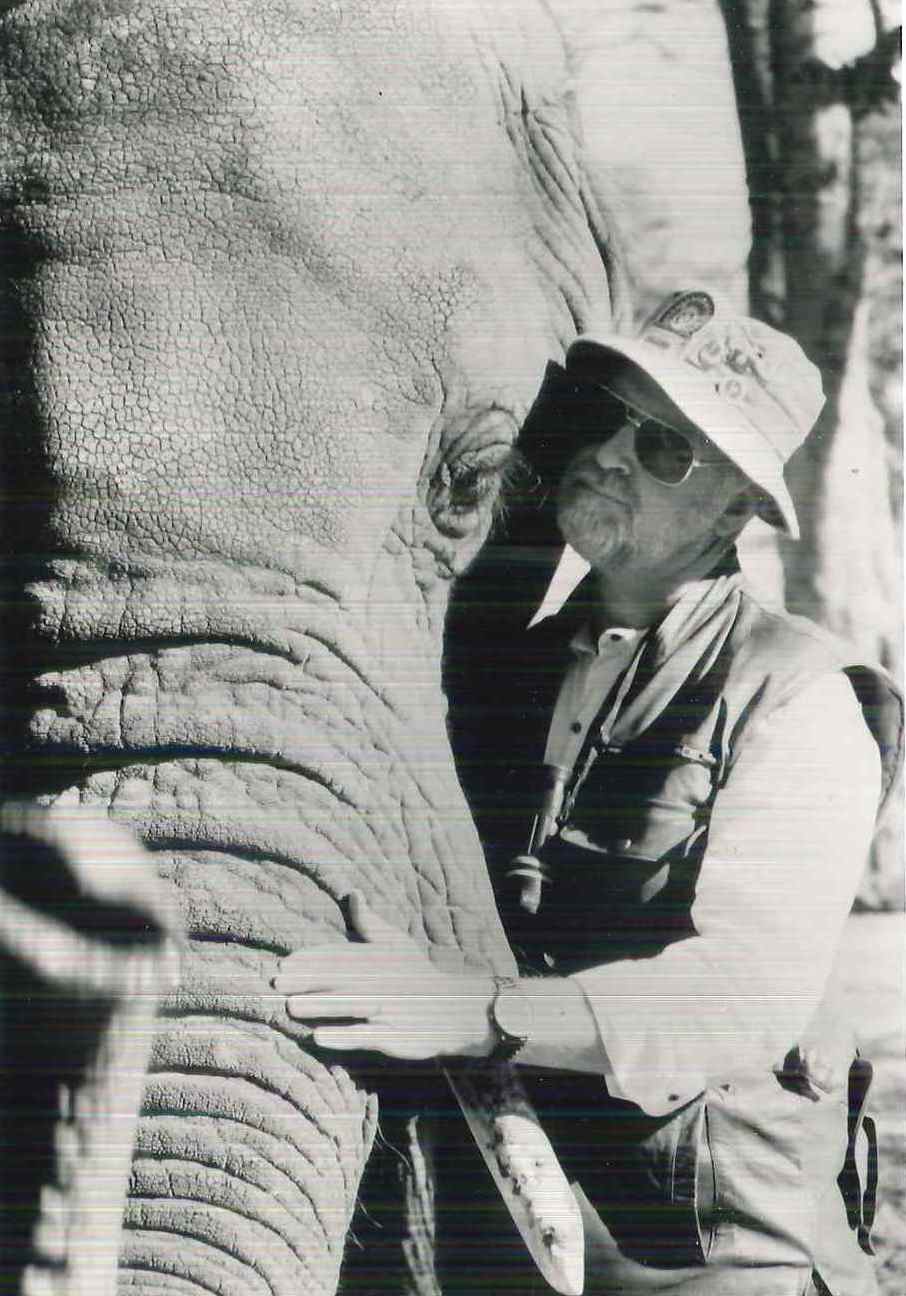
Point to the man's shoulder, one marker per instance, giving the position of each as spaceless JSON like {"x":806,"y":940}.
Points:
{"x":768,"y":637}
{"x":780,"y":655}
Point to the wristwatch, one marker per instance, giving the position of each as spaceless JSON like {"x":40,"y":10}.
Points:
{"x":510,"y":1012}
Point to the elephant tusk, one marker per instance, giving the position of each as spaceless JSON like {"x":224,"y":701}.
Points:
{"x":524,"y":1166}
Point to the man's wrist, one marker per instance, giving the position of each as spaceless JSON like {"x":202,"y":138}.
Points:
{"x":498,"y":1019}
{"x":564,"y":1032}
{"x":510,"y":1012}
{"x":477,"y":994}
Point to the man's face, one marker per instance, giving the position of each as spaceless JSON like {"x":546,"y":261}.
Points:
{"x":619,"y":518}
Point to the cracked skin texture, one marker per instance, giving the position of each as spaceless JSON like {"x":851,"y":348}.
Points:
{"x":278,"y":283}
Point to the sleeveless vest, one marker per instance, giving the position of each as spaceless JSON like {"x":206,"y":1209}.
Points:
{"x":630,"y":835}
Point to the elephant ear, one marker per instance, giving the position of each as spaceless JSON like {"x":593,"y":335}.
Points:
{"x":661,"y":130}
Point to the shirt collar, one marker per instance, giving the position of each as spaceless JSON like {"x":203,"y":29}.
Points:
{"x":614,"y":639}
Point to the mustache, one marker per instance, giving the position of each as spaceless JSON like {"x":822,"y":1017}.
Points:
{"x":606,"y":481}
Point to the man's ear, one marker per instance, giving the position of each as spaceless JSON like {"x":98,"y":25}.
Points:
{"x":741,"y":508}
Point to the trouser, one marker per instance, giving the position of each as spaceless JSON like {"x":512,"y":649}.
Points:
{"x":738,"y":1193}
{"x":609,"y":1272}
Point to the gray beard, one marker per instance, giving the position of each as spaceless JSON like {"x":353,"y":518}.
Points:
{"x":604,"y":543}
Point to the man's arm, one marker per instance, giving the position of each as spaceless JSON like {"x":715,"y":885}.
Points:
{"x":788,"y":842}
{"x":391,"y":998}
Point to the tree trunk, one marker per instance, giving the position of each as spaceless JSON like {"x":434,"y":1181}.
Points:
{"x":819,"y":115}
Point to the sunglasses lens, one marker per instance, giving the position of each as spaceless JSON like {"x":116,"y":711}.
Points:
{"x":664,"y":453}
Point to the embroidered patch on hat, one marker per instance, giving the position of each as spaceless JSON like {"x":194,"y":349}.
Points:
{"x":684,"y":314}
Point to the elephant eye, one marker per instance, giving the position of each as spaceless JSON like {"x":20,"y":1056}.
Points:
{"x":464,"y":489}
{"x":469,"y":485}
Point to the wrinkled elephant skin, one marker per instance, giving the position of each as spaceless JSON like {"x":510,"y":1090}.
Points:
{"x":279,"y":281}
{"x":675,"y":167}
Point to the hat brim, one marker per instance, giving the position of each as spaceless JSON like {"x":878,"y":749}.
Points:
{"x":696,"y":397}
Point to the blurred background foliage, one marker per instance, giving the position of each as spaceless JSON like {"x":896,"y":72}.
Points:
{"x":817,"y":88}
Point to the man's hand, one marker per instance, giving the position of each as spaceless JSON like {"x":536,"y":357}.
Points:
{"x":387,"y":990}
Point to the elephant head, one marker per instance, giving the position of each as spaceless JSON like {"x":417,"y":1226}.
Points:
{"x":279,"y":281}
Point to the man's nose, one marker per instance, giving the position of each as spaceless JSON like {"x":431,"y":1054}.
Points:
{"x":617,"y":451}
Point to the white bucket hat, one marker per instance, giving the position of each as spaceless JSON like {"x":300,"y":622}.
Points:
{"x":750,"y":389}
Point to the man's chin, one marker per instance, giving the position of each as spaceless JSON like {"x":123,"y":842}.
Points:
{"x":601,"y":546}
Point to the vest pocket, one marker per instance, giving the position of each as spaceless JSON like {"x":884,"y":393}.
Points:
{"x":641,"y":804}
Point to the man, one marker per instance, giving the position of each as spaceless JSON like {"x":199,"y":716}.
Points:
{"x":710,"y":775}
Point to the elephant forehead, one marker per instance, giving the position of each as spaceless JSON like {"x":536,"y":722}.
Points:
{"x":253,"y":254}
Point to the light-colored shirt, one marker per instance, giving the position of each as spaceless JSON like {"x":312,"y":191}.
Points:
{"x":788,"y":841}
{"x":598,"y":665}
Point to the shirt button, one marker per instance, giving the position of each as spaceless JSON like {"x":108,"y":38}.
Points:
{"x":624,"y":843}
{"x":575,"y":727}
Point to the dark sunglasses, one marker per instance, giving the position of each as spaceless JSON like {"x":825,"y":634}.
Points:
{"x":571,"y":412}
{"x":665,"y":453}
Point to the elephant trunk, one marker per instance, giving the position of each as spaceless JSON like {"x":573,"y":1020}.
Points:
{"x":270,"y":757}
